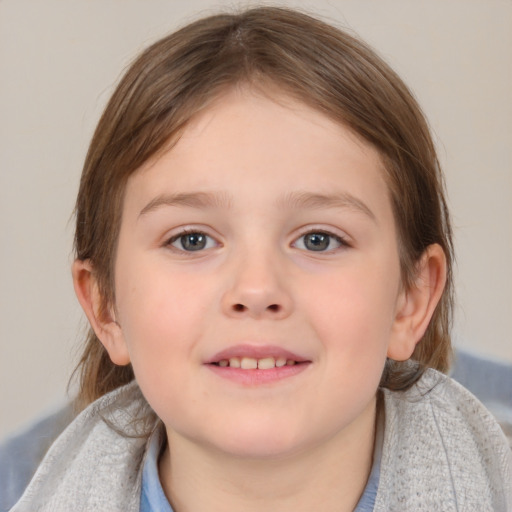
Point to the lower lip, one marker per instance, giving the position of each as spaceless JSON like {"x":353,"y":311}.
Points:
{"x":258,"y":377}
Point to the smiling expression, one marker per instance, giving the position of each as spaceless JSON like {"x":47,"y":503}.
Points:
{"x":257,"y":278}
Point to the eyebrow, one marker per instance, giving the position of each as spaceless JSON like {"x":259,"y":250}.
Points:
{"x":294,"y":200}
{"x":200,"y":200}
{"x":308,"y":200}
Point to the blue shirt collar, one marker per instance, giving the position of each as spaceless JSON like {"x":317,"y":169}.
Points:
{"x":153,"y":498}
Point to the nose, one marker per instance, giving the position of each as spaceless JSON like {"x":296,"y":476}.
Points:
{"x":257,"y":288}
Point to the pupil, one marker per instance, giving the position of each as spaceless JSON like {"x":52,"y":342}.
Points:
{"x":317,"y":241}
{"x":193,"y":242}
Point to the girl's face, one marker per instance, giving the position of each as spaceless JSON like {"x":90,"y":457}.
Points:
{"x":265,"y":237}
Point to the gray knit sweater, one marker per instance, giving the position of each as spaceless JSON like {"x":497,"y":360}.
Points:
{"x":442,"y":452}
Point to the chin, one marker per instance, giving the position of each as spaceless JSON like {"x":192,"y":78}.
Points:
{"x":258,"y":442}
{"x":262,"y":450}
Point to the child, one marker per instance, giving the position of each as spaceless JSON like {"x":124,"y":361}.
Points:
{"x":263,"y":251}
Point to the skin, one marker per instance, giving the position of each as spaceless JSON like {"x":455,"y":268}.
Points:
{"x":298,"y":441}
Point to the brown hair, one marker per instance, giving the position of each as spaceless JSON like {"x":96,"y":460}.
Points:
{"x":316,"y":63}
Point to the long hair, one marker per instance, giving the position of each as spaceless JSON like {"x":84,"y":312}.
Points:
{"x":314,"y":62}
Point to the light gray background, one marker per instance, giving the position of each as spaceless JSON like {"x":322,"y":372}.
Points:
{"x":58,"y":62}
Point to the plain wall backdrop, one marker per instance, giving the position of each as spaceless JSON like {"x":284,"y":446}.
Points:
{"x":59,"y":60}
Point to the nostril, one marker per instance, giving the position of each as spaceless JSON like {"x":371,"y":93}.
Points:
{"x":239,"y":308}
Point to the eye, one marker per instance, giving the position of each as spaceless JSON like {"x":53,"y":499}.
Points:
{"x":319,"y":241}
{"x":192,"y":241}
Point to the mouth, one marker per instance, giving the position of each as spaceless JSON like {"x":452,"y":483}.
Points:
{"x":253,"y":365}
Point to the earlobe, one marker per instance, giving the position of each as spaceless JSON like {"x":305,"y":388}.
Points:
{"x":101,"y":319}
{"x":416,"y":305}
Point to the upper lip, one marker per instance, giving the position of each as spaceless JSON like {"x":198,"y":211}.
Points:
{"x":256,"y":352}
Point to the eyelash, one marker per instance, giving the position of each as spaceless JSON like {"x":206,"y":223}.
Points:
{"x":175,"y":238}
{"x":340,"y":241}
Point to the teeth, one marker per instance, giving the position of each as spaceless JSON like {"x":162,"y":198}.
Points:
{"x":250,"y":363}
{"x":234,"y":362}
{"x":265,"y":364}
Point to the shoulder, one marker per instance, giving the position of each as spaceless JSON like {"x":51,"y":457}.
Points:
{"x":95,"y":464}
{"x":443,"y":450}
{"x":21,"y":454}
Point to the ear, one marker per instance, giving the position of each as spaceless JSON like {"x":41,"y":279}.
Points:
{"x":102,"y":319}
{"x":416,"y":305}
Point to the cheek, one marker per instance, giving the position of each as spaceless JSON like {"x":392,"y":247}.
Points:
{"x":160,"y":335}
{"x":354,"y":313}
{"x":154,"y":303}
{"x":160,"y":320}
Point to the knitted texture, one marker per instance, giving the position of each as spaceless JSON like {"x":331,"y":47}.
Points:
{"x":442,"y":451}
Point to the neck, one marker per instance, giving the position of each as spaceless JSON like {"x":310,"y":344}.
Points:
{"x":334,"y":473}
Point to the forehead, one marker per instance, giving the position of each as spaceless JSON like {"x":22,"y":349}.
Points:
{"x":247,"y":142}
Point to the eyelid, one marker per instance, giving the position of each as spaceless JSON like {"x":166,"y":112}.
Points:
{"x":183,"y":231}
{"x":340,"y":237}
